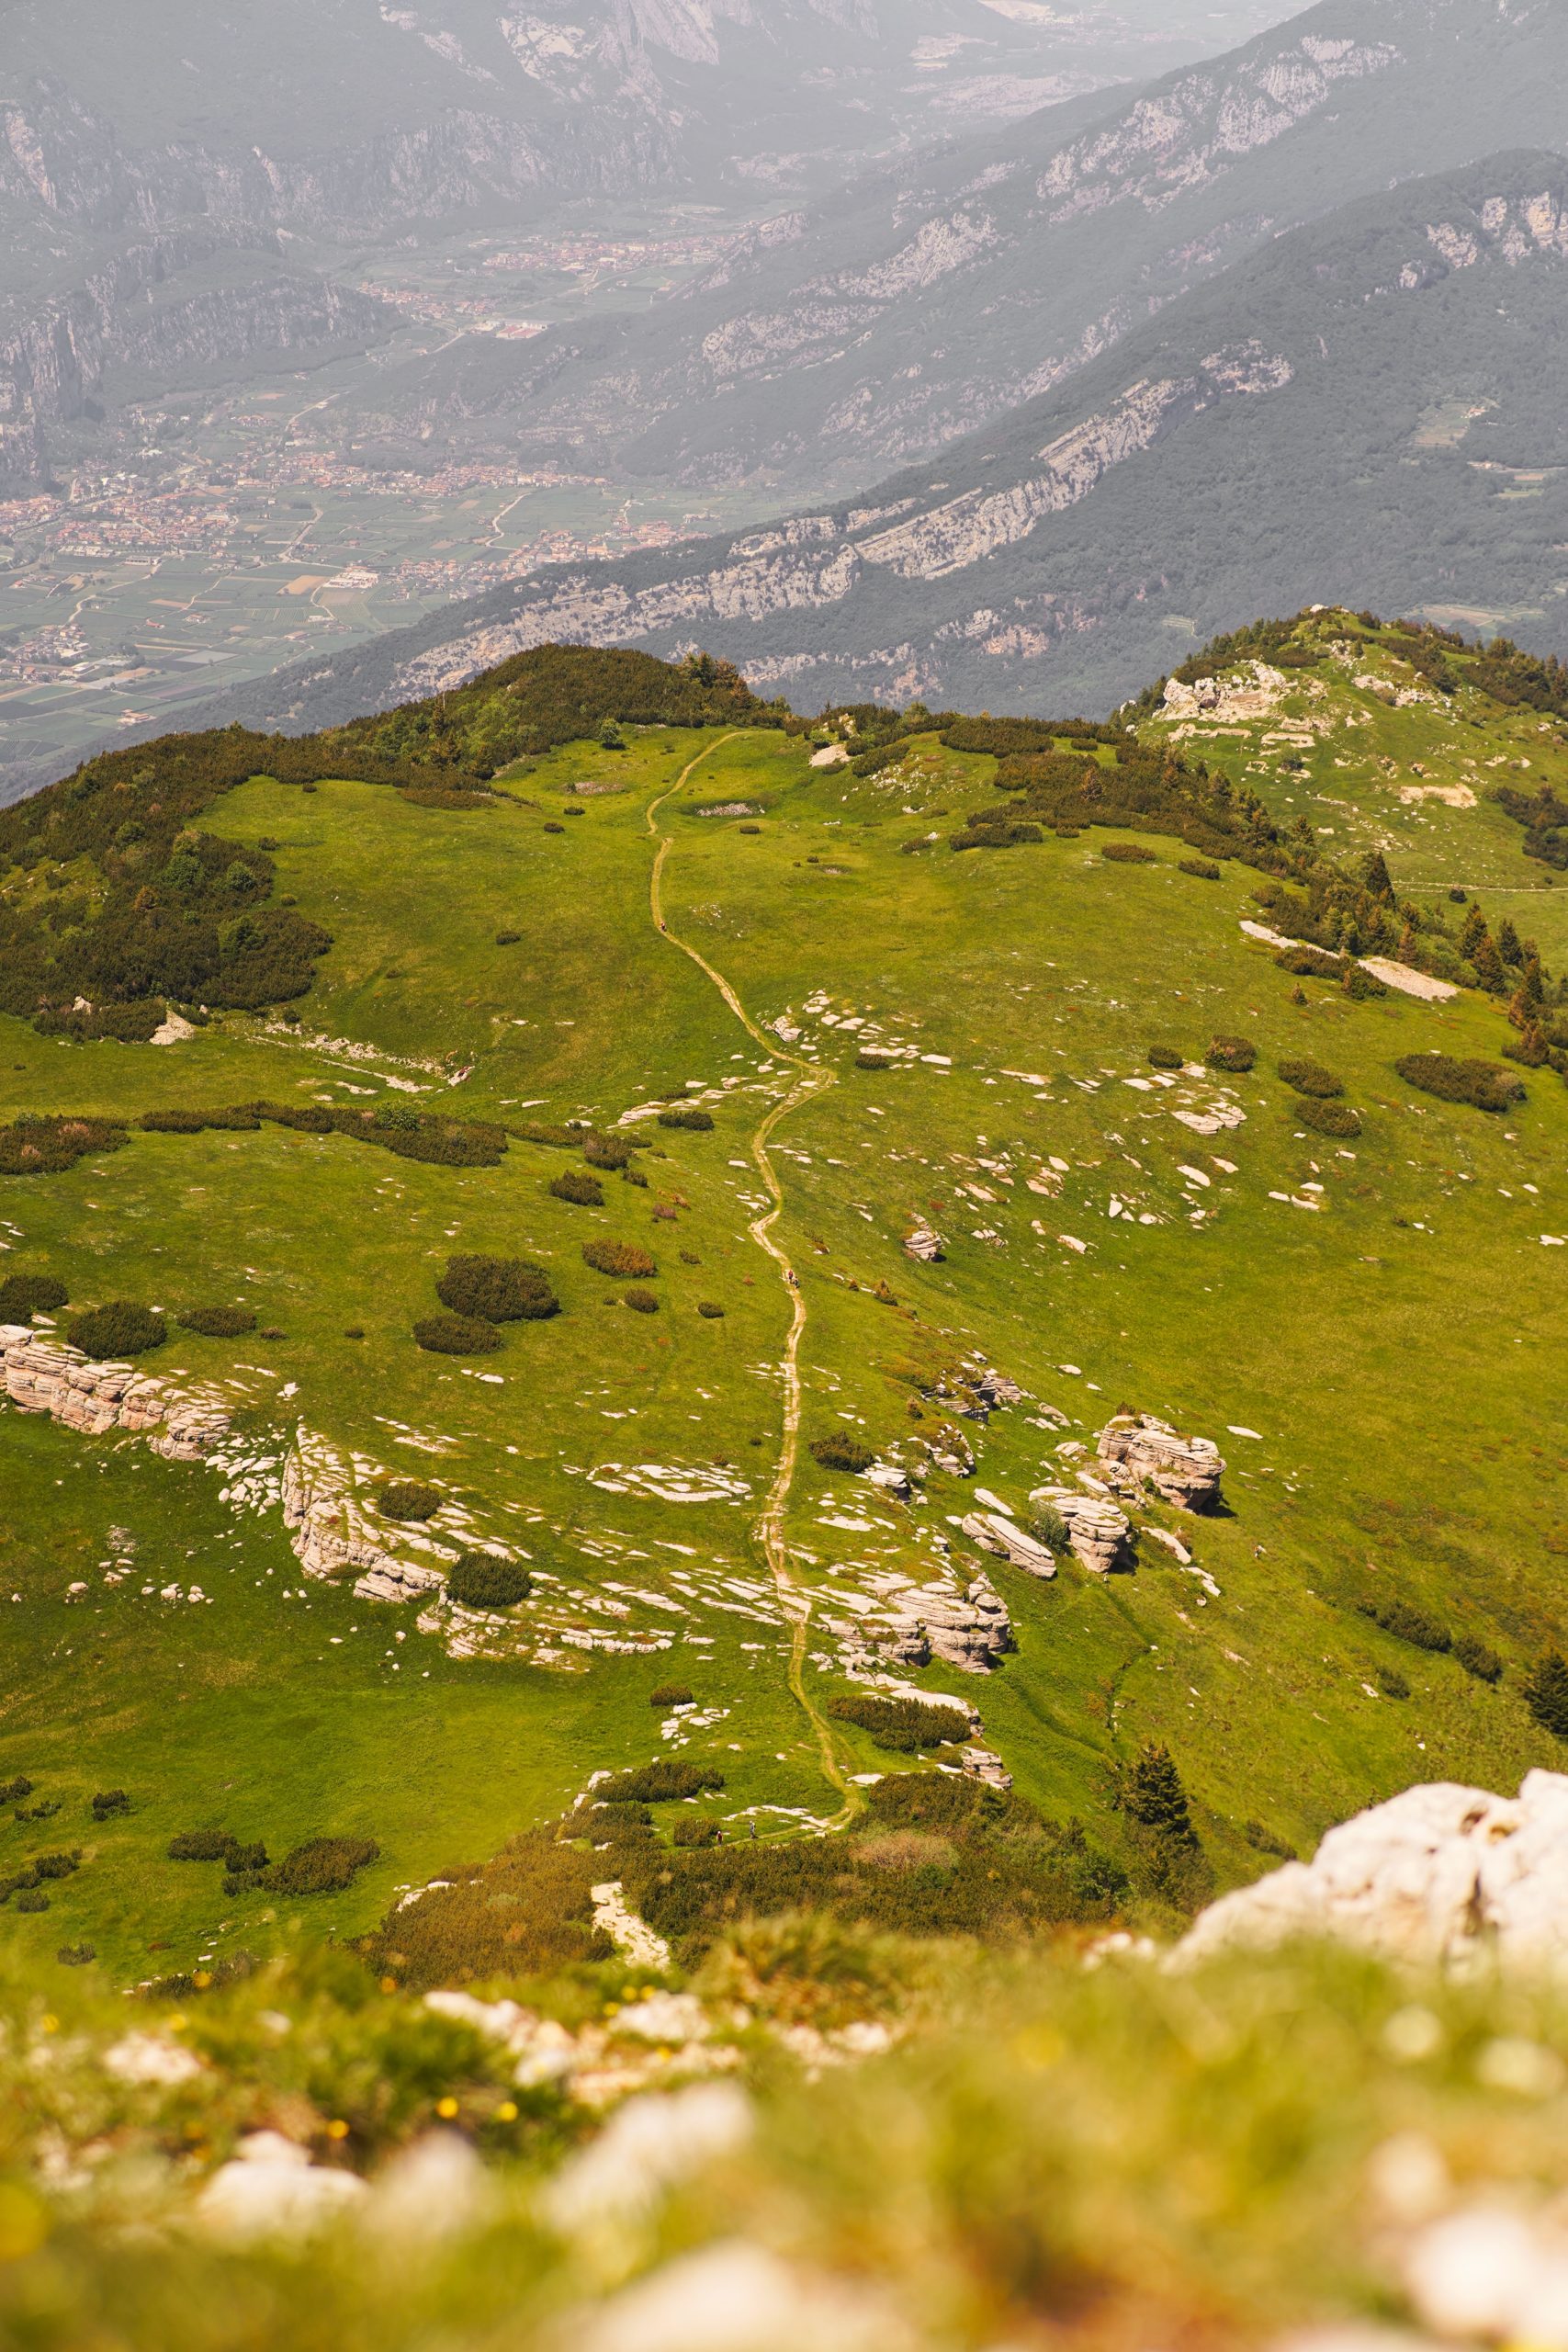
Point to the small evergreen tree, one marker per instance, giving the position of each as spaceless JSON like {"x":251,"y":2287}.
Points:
{"x":1546,"y":1693}
{"x":1152,"y":1791}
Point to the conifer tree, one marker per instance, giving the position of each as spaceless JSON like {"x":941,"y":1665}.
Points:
{"x":1546,"y":1693}
{"x":1155,"y":1797}
{"x":1377,"y":883}
{"x":1509,"y":943}
{"x":1472,"y":934}
{"x":1489,"y":964}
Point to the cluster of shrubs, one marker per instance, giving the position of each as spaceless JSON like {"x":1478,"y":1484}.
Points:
{"x":23,"y":1295}
{"x":671,"y":1694}
{"x":480,"y":1294}
{"x":1453,"y":1079}
{"x":392,"y":1125}
{"x":1315,"y":964}
{"x":901,"y":1724}
{"x":26,"y":1886}
{"x":1129,"y":854}
{"x":1202,"y":869}
{"x":320,"y":1866}
{"x":995,"y":829}
{"x":664,"y":1782}
{"x":121,"y":1329}
{"x":109,"y":1802}
{"x":35,"y":1146}
{"x":698,"y":1121}
{"x":1328,"y":1118}
{"x":1409,"y":1624}
{"x":485,"y":1580}
{"x":586,"y":1192}
{"x":840,"y":1451}
{"x":409,"y":1499}
{"x":1236,"y":1054}
{"x":1305,"y":1076}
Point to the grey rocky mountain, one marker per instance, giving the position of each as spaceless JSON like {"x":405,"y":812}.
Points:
{"x":1367,"y":408}
{"x":931,"y":298}
{"x":161,"y":139}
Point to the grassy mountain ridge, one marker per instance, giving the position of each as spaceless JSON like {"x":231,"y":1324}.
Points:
{"x":630,"y":968}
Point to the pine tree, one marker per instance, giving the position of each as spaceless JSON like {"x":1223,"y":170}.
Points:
{"x":1546,"y":1693}
{"x":1152,"y":1794}
{"x":1509,"y":943}
{"x":1472,"y":934}
{"x":1489,"y":964}
{"x":1377,"y":882}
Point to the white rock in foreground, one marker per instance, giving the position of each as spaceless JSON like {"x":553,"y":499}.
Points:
{"x":1440,"y":1874}
{"x":273,"y":2190}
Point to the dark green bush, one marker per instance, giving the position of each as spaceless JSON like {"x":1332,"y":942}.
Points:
{"x":1231,"y":1053}
{"x":108,"y":1802}
{"x":507,"y":938}
{"x":1048,"y":1527}
{"x":1407,"y":1623}
{"x":692,"y":1830}
{"x":76,"y":1955}
{"x":498,"y":1290}
{"x":32,"y":1898}
{"x":585,"y":1191}
{"x":1264,"y":1841}
{"x":1312,"y":963}
{"x":218,"y":1322}
{"x":641,"y":1302}
{"x":1361,"y":986}
{"x":901,"y":1724}
{"x":1166,"y":1058}
{"x":1546,"y":1693}
{"x":121,"y":1329}
{"x":873,"y":1057}
{"x":1311,"y":1077}
{"x":240,"y":1120}
{"x":839,"y":1450}
{"x":23,"y":1295}
{"x":481,"y":1581}
{"x":13,"y":1790}
{"x":1327,"y":1118}
{"x":320,"y":1866}
{"x":33,"y":1145}
{"x":661,"y":1782}
{"x":608,"y":1151}
{"x":1391,"y":1683}
{"x":410,"y":1499}
{"x":1201,"y":869}
{"x":710,"y":1311}
{"x":1128,"y":854}
{"x":1458,"y":1081}
{"x":699,"y":1121}
{"x":671,"y":1694}
{"x":1476,"y":1658}
{"x":455,"y":1335}
{"x":623,"y":1261}
{"x":202,"y":1846}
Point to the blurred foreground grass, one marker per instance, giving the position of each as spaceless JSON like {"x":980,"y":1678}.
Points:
{"x":1020,"y":2150}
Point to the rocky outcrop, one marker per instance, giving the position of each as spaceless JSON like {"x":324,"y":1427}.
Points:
{"x":42,"y":1376}
{"x":967,"y":1626}
{"x":1439,"y":1875}
{"x":1185,"y":1470}
{"x":330,"y":1543}
{"x":922,"y":1243}
{"x":1101,"y":1535}
{"x":984,"y":1765}
{"x":995,"y":1532}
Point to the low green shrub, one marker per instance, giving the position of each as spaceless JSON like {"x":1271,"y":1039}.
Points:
{"x":32,"y":1898}
{"x":1476,"y":1658}
{"x":33,"y":1145}
{"x":121,"y":1329}
{"x":1201,"y":869}
{"x":23,"y":1295}
{"x":692,"y":1829}
{"x":455,"y":1335}
{"x":623,"y":1260}
{"x":320,"y":1866}
{"x":202,"y":1846}
{"x":901,"y":1724}
{"x":664,"y":1782}
{"x":109,"y":1802}
{"x":1313,"y":963}
{"x":1327,"y":1118}
{"x":873,"y":1057}
{"x":1264,"y":1841}
{"x":217,"y":1322}
{"x":1311,"y":1077}
{"x":12,"y":1790}
{"x":1231,"y":1053}
{"x":507,"y":938}
{"x":76,"y":1955}
{"x":584,"y":1191}
{"x":1546,"y":1693}
{"x":641,"y":1302}
{"x":1361,"y":986}
{"x":1128,"y":854}
{"x":481,"y":1581}
{"x":556,"y":1138}
{"x":671,"y":1694}
{"x":239,"y":1120}
{"x":699,"y":1121}
{"x":1407,"y":1623}
{"x":1452,"y":1079}
{"x":1048,"y":1527}
{"x":409,"y":1499}
{"x":608,"y":1151}
{"x":840,"y":1451}
{"x":1166,"y":1058}
{"x":498,"y":1290}
{"x":710,"y":1311}
{"x":1391,"y":1683}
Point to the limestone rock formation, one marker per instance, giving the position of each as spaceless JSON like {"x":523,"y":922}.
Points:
{"x":1101,"y":1535}
{"x":42,"y":1376}
{"x":1440,"y":1874}
{"x":328,"y":1543}
{"x":1185,"y":1470}
{"x":984,"y":1764}
{"x":995,"y":1532}
{"x":924,"y":1244}
{"x":965,"y":1626}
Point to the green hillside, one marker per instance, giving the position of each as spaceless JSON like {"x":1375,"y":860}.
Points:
{"x":460,"y":967}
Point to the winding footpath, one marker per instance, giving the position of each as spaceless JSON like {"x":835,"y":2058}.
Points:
{"x":810,"y":1082}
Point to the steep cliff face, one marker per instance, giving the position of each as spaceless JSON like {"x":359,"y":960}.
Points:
{"x":928,"y":302}
{"x":1309,"y":421}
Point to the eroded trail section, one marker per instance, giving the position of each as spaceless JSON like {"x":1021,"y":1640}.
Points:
{"x":810,"y":1082}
